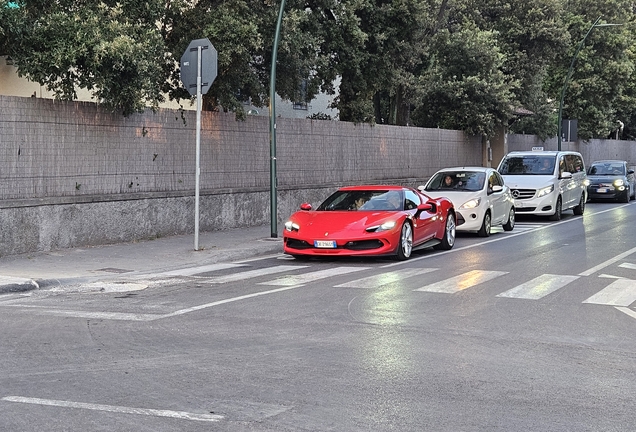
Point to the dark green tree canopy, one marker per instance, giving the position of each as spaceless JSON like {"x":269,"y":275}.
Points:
{"x":457,"y":64}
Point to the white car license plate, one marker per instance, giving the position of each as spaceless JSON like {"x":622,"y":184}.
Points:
{"x":602,"y":190}
{"x":328,"y":244}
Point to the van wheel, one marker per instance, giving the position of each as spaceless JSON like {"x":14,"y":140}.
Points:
{"x":508,"y":226}
{"x":484,"y":231}
{"x":579,"y":209}
{"x":558,"y":210}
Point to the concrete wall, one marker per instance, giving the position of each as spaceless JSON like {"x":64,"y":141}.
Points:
{"x":72,"y":174}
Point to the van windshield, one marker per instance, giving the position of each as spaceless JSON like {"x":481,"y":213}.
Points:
{"x":528,"y":165}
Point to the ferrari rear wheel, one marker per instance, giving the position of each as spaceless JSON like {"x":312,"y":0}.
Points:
{"x":448,"y":241}
{"x":406,"y":242}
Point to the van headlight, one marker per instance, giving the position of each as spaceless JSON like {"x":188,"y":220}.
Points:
{"x":471,"y":204}
{"x":545,"y":191}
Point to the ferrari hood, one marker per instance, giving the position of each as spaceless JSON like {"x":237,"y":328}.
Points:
{"x":336,"y":223}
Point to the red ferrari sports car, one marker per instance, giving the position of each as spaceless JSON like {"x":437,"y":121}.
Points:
{"x":371,"y":220}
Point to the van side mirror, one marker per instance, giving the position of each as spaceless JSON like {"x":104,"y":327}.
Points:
{"x":566,"y":175}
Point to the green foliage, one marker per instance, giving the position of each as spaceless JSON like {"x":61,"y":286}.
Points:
{"x":461,"y":64}
{"x":464,"y":87}
{"x":113,"y":50}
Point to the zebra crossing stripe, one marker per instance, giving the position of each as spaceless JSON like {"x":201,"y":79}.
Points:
{"x":538,"y":287}
{"x":385,"y":278}
{"x":252,"y":273}
{"x":293,"y":280}
{"x":461,"y":282}
{"x":621,"y":292}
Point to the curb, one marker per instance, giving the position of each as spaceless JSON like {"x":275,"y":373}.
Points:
{"x":13,"y":285}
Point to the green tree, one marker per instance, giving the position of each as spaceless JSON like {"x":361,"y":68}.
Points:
{"x":603,"y":71}
{"x":465,"y":87}
{"x":113,"y":49}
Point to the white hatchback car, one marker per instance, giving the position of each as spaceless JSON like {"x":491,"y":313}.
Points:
{"x":480,"y":196}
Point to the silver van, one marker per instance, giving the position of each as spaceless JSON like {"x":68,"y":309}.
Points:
{"x":546,"y":183}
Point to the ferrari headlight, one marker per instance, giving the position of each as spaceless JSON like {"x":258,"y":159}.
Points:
{"x":291,"y":226}
{"x":471,"y":204}
{"x":384,"y":227}
{"x":545,"y":191}
{"x":387,"y":226}
{"x":619,"y":182}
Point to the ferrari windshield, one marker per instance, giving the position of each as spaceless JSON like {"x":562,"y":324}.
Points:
{"x":457,"y":180}
{"x":607,"y":169}
{"x":356,"y":200}
{"x":528,"y":165}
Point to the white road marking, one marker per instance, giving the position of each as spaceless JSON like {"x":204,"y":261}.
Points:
{"x":461,"y":282}
{"x":385,"y":278}
{"x":201,"y":269}
{"x":538,"y":287}
{"x":621,"y":292}
{"x":117,"y":316}
{"x":627,"y":311}
{"x":628,"y":266}
{"x":252,"y":273}
{"x":607,"y":276}
{"x":11,"y":280}
{"x":230,"y":300}
{"x":182,"y":415}
{"x":607,"y":263}
{"x":293,"y":280}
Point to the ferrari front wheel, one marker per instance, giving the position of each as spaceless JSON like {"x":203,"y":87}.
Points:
{"x":406,"y":242}
{"x":448,"y":240}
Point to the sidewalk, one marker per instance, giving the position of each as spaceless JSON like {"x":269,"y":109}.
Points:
{"x":44,"y":269}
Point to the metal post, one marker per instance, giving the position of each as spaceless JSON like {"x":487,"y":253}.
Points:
{"x":198,"y":153}
{"x":272,"y":127}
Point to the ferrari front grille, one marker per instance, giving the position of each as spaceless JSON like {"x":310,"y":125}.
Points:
{"x":363,"y":245}
{"x":298,"y":244}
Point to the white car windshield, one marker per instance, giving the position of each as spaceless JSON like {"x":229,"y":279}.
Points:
{"x":457,"y":180}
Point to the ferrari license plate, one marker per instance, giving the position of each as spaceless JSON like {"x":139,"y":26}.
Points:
{"x":327,"y":244}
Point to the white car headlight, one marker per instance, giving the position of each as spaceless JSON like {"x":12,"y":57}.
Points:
{"x":619,"y":182}
{"x":291,"y":226}
{"x":545,"y":191}
{"x":471,"y":204}
{"x":387,"y":226}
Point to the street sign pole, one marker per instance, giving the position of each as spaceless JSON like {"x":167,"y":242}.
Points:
{"x":200,"y":52}
{"x":198,"y":151}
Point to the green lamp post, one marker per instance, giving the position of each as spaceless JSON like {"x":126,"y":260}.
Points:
{"x":569,"y":75}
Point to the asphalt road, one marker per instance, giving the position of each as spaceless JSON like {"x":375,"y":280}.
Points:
{"x":529,"y":330}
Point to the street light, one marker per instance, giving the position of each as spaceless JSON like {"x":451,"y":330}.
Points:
{"x":272,"y":128}
{"x":570,"y":71}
